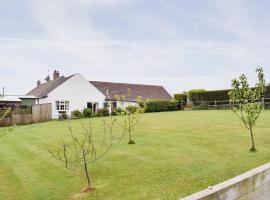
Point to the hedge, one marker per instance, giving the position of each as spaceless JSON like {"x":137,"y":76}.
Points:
{"x":191,"y":92}
{"x":162,"y":105}
{"x":180,"y":97}
{"x":216,"y":95}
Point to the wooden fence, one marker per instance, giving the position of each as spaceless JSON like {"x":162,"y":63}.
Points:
{"x":40,"y":113}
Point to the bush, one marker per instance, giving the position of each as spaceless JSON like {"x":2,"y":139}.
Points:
{"x":267,"y":92}
{"x":191,"y":93}
{"x":118,"y":111}
{"x":216,"y":95}
{"x":87,"y":112}
{"x":180,"y":97}
{"x":102,"y":112}
{"x":62,"y":115}
{"x":76,"y":114}
{"x":162,"y":105}
{"x":131,"y":109}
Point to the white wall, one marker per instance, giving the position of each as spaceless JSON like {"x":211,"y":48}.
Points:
{"x":78,"y":91}
{"x":124,"y":104}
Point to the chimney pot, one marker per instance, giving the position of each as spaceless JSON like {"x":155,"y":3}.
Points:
{"x":48,"y":78}
{"x":56,"y":75}
{"x":38,"y":83}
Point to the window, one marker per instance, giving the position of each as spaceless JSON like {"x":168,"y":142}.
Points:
{"x":62,"y":105}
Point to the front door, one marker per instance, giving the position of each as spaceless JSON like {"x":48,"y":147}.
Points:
{"x":93,"y":106}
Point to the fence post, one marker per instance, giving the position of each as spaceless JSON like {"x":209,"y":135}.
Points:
{"x":216,"y":104}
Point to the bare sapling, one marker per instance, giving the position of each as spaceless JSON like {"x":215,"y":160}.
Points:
{"x":85,"y":147}
{"x":131,"y":114}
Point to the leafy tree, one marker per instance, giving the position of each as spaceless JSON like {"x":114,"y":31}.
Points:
{"x":132,"y":114}
{"x":4,"y":131}
{"x":85,"y":148}
{"x":247,"y":101}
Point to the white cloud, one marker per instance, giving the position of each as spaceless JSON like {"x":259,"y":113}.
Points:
{"x":73,"y":44}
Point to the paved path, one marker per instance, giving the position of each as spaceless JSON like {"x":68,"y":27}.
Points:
{"x":261,"y":193}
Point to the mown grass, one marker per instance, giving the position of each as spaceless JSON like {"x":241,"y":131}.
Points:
{"x":175,"y":154}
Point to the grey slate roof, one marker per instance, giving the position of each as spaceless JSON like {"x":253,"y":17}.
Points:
{"x":44,"y":89}
{"x":110,"y":90}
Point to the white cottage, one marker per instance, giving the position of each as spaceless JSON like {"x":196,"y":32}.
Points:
{"x":76,"y":93}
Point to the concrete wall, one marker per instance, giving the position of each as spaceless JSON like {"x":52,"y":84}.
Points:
{"x":235,"y":188}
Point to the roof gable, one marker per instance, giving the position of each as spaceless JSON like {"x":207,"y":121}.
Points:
{"x":44,"y":89}
{"x":110,"y":90}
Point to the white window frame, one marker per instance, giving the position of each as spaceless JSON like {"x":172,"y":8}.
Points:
{"x":62,"y":105}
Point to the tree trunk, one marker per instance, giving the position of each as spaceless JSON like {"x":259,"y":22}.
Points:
{"x":252,"y":149}
{"x":129,"y":131}
{"x":89,"y":188}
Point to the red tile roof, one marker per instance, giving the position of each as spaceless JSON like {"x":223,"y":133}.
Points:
{"x":110,"y":90}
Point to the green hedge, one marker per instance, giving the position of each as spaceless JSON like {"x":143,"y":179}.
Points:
{"x":180,"y":97}
{"x":162,"y":105}
{"x":217,"y":95}
{"x":267,"y":93}
{"x":191,"y":92}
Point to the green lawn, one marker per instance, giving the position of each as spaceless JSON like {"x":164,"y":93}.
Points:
{"x":176,"y":154}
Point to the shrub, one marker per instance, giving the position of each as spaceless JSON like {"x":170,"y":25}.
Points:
{"x":131,"y":109}
{"x":180,"y":97}
{"x":191,"y":92}
{"x":162,"y":105}
{"x":76,"y":114}
{"x":217,"y":95}
{"x":62,"y":115}
{"x":102,"y":112}
{"x":118,"y":111}
{"x":87,"y":112}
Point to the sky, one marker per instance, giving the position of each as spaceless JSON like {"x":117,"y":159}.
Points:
{"x":180,"y":44}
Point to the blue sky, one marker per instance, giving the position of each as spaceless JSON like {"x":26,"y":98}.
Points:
{"x":179,"y":44}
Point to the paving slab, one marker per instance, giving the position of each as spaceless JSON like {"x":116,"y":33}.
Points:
{"x":261,"y":193}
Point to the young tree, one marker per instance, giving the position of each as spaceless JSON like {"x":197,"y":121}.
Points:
{"x":247,"y":101}
{"x":132,"y":114}
{"x":4,"y":131}
{"x":82,"y":150}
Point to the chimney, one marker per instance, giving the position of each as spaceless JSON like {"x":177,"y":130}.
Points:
{"x":38,"y":83}
{"x":48,"y":79}
{"x":107,"y":92}
{"x":56,"y":75}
